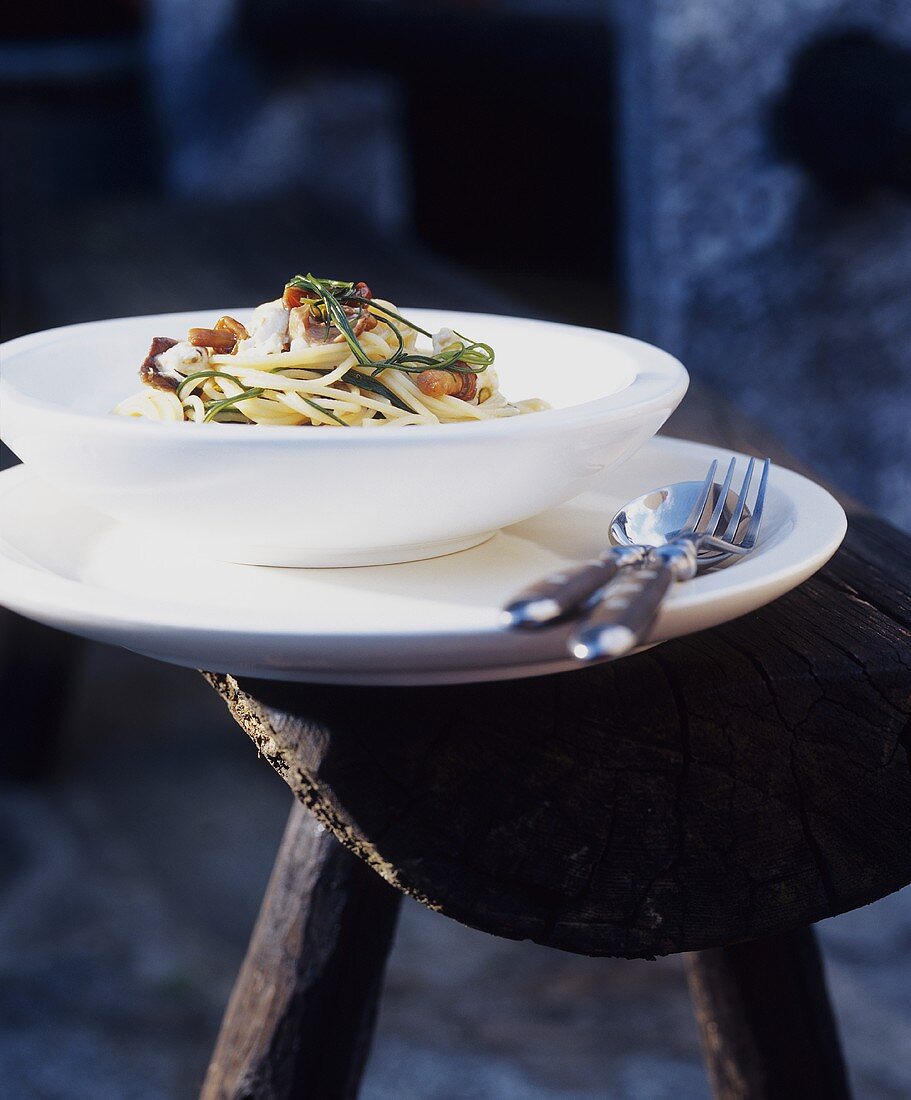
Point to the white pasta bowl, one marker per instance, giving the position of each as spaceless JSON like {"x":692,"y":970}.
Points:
{"x":305,"y":496}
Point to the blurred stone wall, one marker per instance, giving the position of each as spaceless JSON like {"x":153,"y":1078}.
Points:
{"x":231,"y":128}
{"x":795,"y":301}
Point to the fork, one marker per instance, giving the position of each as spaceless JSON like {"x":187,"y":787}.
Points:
{"x":567,"y":592}
{"x":629,"y":604}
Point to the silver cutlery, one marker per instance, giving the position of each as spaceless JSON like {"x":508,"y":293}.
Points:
{"x":628,"y":605}
{"x":655,"y":518}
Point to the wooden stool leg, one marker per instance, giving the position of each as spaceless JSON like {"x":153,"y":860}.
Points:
{"x":767,"y":1027}
{"x":300,"y":1018}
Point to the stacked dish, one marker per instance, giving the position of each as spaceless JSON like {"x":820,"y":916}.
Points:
{"x":130,"y":531}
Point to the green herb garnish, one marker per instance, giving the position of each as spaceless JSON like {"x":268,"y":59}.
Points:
{"x":333,"y":296}
{"x":374,"y":385}
{"x":325,"y":412}
{"x":215,"y":407}
{"x":207,"y":374}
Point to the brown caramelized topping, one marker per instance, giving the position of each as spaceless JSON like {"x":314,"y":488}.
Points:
{"x":219,"y":340}
{"x":447,"y":383}
{"x":229,"y":324}
{"x":150,"y":372}
{"x":318,"y":327}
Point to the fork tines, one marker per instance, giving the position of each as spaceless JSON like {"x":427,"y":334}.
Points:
{"x":733,"y":540}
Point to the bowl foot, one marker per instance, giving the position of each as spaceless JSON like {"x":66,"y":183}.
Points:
{"x":344,"y":558}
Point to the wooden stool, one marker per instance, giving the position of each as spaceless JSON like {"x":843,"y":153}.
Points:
{"x":714,"y":795}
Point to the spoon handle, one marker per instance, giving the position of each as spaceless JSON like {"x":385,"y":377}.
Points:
{"x":629,"y":605}
{"x":560,"y":594}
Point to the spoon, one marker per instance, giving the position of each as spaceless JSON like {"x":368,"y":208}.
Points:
{"x":628,"y":606}
{"x":653,"y":519}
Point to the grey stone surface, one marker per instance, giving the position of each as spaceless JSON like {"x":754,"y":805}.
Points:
{"x":129,"y":883}
{"x":798,"y":306}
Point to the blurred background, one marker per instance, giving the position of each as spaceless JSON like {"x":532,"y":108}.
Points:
{"x":730,"y":181}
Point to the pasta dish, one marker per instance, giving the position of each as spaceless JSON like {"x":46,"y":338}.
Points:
{"x":325,"y":354}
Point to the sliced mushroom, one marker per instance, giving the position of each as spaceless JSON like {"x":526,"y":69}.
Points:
{"x":230,"y":324}
{"x":151,"y":373}
{"x":447,"y":383}
{"x":220,"y":341}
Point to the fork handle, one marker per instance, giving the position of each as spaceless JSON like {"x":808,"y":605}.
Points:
{"x":629,"y":605}
{"x":561,"y":593}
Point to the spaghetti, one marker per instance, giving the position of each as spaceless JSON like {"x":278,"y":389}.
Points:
{"x":325,"y":354}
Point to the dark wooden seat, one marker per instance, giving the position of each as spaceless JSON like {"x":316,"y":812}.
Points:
{"x":714,"y":795}
{"x":721,"y":787}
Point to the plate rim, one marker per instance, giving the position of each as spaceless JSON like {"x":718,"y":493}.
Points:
{"x":86,"y":607}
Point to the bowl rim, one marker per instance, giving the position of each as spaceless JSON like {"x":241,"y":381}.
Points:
{"x":660,"y":380}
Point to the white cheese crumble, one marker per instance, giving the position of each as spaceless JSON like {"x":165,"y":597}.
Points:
{"x":442,"y":340}
{"x":270,"y":345}
{"x":181,"y":359}
{"x":268,"y":329}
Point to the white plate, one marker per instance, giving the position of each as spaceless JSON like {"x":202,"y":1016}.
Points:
{"x":427,"y":622}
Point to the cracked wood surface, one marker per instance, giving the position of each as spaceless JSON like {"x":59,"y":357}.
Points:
{"x":722,"y":787}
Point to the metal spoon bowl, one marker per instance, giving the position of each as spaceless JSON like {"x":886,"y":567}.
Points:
{"x":627,"y":607}
{"x":661,"y":515}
